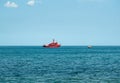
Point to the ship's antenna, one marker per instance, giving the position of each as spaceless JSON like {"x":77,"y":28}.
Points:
{"x":53,"y":40}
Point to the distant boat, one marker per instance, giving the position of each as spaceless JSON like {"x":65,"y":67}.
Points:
{"x":89,"y":46}
{"x":52,"y":45}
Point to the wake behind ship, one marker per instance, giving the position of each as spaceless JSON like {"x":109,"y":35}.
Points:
{"x":52,"y":45}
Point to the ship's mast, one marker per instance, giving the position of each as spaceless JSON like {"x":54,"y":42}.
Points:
{"x":53,"y":40}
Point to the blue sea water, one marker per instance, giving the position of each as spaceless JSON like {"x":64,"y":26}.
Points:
{"x":67,"y":64}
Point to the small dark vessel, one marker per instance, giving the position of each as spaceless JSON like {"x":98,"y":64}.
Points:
{"x":52,"y":45}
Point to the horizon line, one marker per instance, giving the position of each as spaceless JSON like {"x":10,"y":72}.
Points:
{"x":61,"y":46}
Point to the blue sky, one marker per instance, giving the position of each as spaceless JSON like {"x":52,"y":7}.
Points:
{"x":70,"y":22}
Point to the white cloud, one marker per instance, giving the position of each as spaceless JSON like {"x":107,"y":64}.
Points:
{"x":31,"y":2}
{"x":11,"y":4}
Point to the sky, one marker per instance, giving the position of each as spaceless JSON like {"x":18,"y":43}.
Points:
{"x":69,"y":22}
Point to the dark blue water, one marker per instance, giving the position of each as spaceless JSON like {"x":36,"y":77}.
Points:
{"x":72,"y":64}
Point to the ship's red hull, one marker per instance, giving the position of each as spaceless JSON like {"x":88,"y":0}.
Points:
{"x":47,"y":46}
{"x":52,"y":45}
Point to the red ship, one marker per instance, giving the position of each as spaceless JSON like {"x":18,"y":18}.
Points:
{"x":52,"y":45}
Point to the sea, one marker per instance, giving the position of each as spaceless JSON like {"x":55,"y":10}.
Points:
{"x":67,"y":64}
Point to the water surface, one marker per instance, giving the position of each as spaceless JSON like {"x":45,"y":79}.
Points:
{"x":67,"y":64}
